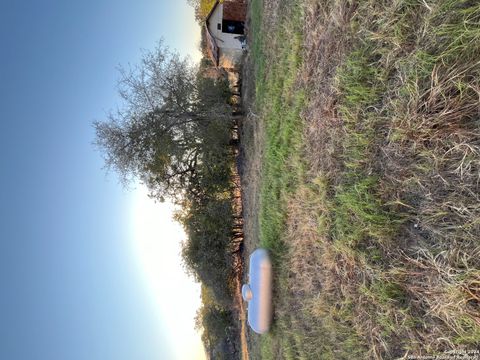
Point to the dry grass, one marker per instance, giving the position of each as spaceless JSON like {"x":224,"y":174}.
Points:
{"x":375,"y":229}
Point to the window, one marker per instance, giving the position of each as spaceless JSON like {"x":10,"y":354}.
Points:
{"x":219,"y":26}
{"x":233,"y":27}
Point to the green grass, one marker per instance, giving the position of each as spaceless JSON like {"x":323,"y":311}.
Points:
{"x":281,"y":101}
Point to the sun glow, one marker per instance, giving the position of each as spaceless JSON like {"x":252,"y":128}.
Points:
{"x":157,"y":244}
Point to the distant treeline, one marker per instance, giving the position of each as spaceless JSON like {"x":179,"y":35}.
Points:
{"x":176,"y":134}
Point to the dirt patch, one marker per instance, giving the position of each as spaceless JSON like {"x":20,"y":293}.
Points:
{"x":249,"y":161}
{"x":242,"y":316}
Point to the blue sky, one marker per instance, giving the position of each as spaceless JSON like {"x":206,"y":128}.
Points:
{"x":70,"y":283}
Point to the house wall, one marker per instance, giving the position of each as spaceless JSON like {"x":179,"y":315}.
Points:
{"x":224,"y":40}
{"x":230,"y":59}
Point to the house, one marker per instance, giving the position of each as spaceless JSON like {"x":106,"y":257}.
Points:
{"x":225,"y":34}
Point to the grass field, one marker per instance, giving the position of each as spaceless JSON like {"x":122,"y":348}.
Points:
{"x":364,"y":157}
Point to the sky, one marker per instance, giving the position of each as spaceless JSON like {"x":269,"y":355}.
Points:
{"x":88,"y":269}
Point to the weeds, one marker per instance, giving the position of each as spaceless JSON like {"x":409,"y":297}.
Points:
{"x":371,"y":175}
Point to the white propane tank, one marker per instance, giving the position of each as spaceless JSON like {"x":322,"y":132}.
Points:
{"x":258,"y":292}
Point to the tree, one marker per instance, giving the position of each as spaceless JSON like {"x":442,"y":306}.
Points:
{"x":156,"y":136}
{"x":175,"y":133}
{"x":202,"y":8}
{"x":205,"y":254}
{"x":219,"y":330}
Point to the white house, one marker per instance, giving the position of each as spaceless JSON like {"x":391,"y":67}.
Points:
{"x":225,"y":33}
